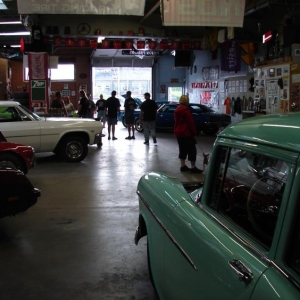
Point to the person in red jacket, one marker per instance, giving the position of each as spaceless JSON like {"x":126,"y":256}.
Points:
{"x":185,"y":130}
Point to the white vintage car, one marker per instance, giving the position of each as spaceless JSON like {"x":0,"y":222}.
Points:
{"x":67,"y":137}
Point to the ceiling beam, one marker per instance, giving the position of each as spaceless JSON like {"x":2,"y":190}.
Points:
{"x":150,"y":12}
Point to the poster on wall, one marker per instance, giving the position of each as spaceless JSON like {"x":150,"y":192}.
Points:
{"x":273,"y":95}
{"x":230,"y":57}
{"x":210,"y":98}
{"x":210,"y":73}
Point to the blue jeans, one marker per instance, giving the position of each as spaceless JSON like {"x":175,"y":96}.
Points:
{"x":149,"y":128}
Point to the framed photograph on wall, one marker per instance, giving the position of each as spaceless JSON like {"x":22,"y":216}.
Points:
{"x":278,"y":72}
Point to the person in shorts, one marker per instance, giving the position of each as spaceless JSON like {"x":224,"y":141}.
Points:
{"x":148,"y":118}
{"x":129,"y":107}
{"x":112,"y":110}
{"x":101,"y":104}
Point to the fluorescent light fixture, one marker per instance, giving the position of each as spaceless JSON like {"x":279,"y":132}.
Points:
{"x":15,"y":46}
{"x":10,"y":22}
{"x":15,"y":33}
{"x":100,"y":39}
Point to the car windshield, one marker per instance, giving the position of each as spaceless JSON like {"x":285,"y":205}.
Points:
{"x":29,"y":112}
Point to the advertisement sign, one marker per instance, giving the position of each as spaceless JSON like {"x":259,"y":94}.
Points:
{"x":86,"y":7}
{"x":203,"y":13}
{"x":38,"y":90}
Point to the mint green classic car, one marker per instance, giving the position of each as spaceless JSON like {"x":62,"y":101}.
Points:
{"x":237,"y":236}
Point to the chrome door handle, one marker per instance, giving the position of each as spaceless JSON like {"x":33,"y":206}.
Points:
{"x":243,"y":272}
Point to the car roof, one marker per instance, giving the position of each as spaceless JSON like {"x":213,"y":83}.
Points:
{"x":279,"y":130}
{"x":9,"y":102}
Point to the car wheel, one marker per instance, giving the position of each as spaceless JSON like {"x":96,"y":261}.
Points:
{"x":123,"y":122}
{"x":73,"y":149}
{"x":138,"y":125}
{"x":12,"y":161}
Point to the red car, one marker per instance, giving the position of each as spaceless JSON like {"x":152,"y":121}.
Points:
{"x":17,"y":193}
{"x":16,"y":156}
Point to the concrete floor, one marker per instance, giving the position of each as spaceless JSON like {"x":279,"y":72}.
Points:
{"x":77,"y":242}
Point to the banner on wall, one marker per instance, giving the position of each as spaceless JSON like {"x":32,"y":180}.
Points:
{"x":75,"y":7}
{"x":230,"y":57}
{"x":38,"y":65}
{"x":203,"y":13}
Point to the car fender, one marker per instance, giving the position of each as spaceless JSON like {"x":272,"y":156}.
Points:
{"x":77,"y":133}
{"x":145,"y":187}
{"x":51,"y":136}
{"x":156,"y":209}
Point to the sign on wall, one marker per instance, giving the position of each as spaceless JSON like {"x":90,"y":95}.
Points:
{"x":228,"y":13}
{"x":38,"y":90}
{"x":230,"y":57}
{"x":75,"y":7}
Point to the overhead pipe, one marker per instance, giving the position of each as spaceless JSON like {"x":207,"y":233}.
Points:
{"x":256,"y":8}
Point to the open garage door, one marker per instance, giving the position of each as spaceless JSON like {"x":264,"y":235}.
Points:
{"x":121,"y":79}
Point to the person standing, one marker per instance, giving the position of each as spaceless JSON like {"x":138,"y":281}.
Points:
{"x":148,"y":118}
{"x":112,"y":110}
{"x":69,"y":107}
{"x":101,"y":104}
{"x":129,"y":107}
{"x":185,"y":130}
{"x":92,"y":106}
{"x":58,"y":106}
{"x":83,"y":105}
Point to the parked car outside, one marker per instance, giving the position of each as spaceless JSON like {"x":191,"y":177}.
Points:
{"x":17,"y":192}
{"x":206,"y":119}
{"x":16,"y":156}
{"x":237,"y":236}
{"x":67,"y":137}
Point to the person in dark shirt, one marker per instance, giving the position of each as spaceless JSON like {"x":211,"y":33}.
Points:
{"x":148,"y":118}
{"x":101,"y":104}
{"x":129,"y":107}
{"x":83,"y":105}
{"x":112,"y":109}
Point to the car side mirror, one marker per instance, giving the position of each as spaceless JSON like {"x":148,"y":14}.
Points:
{"x":198,"y":197}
